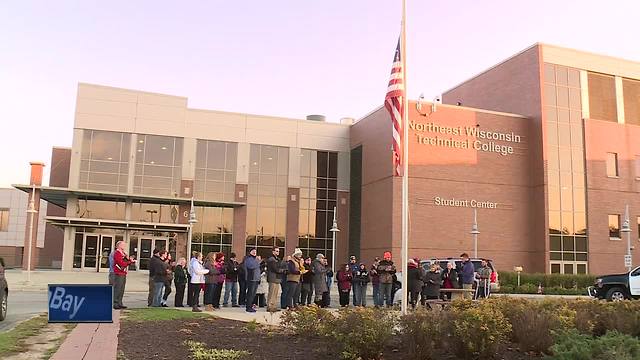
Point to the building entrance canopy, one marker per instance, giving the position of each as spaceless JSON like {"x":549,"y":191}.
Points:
{"x":58,"y":196}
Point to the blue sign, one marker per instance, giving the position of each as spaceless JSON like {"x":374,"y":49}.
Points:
{"x":80,"y":303}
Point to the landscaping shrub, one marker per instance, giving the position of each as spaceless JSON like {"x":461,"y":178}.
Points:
{"x":423,"y":331}
{"x":363,"y":332}
{"x":478,"y":332}
{"x":307,"y":320}
{"x":200,"y":352}
{"x":554,"y":284}
{"x":571,"y":345}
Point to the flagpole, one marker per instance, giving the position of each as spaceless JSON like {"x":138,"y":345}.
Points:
{"x":405,"y":165}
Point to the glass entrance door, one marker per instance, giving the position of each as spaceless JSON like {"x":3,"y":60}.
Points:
{"x":145,"y":253}
{"x":106,"y":246}
{"x":90,"y":251}
{"x":146,"y":247}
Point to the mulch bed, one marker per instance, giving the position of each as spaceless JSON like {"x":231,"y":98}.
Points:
{"x":164,"y":340}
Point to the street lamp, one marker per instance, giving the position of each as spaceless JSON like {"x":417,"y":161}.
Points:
{"x":32,"y":211}
{"x":334,"y":229}
{"x":192,"y":220}
{"x":475,"y":232}
{"x":626,"y":229}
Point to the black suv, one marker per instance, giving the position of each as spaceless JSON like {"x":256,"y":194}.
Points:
{"x":4,"y":292}
{"x":617,"y":287}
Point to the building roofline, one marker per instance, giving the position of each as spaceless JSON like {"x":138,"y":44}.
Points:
{"x":545,"y":45}
{"x":492,"y":67}
{"x":133,"y":90}
{"x":427,"y":103}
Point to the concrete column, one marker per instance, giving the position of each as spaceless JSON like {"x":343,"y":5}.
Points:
{"x":31,"y":228}
{"x":133,"y":154}
{"x":67,"y":250}
{"x":584,"y":93}
{"x":294,"y":168}
{"x":74,"y":165}
{"x":342,"y":240}
{"x":293,"y":215}
{"x":189,"y":159}
{"x":239,"y":241}
{"x":619,"y":100}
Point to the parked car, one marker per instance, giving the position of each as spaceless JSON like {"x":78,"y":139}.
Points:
{"x":617,"y":287}
{"x":495,"y":285}
{"x":4,"y":292}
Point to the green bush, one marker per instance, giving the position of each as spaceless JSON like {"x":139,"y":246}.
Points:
{"x":363,"y":333}
{"x":200,"y":352}
{"x":423,"y":331}
{"x":571,"y":345}
{"x":552,"y":283}
{"x":307,"y":320}
{"x":478,"y":332}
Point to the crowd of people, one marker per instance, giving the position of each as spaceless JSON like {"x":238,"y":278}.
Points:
{"x":277,"y":283}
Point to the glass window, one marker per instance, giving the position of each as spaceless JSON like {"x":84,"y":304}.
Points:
{"x":563,"y":96}
{"x":612,"y":164}
{"x":614,"y":226}
{"x":4,"y":220}
{"x":602,"y":97}
{"x":158,"y":165}
{"x":319,"y":186}
{"x":581,"y":243}
{"x":555,"y":243}
{"x":638,"y":219}
{"x":561,"y":75}
{"x":549,"y":73}
{"x":549,"y":95}
{"x":104,"y":160}
{"x":215,"y":170}
{"x":267,"y":190}
{"x":568,"y":268}
{"x":555,"y":268}
{"x":94,"y":209}
{"x":631,"y":93}
{"x":574,"y":78}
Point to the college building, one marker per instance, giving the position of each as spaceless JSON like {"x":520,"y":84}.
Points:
{"x":541,"y":152}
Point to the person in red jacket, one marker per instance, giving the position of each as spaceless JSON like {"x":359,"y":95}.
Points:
{"x":121,"y":265}
{"x":344,"y":284}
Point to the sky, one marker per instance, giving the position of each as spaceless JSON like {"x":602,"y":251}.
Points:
{"x":279,"y":58}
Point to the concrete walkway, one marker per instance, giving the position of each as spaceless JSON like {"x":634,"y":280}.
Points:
{"x":91,"y":342}
{"x":40,"y":279}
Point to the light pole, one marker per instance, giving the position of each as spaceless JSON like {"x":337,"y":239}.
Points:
{"x":475,"y":232}
{"x":32,"y":211}
{"x":192,"y":220}
{"x":626,"y":229}
{"x":334,"y":229}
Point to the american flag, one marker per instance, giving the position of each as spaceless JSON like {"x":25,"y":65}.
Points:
{"x":394,"y":102}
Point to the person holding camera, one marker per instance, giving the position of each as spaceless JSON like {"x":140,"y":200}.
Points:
{"x":121,"y":263}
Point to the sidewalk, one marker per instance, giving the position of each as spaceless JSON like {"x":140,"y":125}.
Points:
{"x":91,"y":342}
{"x":40,"y":279}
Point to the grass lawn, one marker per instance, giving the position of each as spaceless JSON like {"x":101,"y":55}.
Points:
{"x":11,"y":341}
{"x":160,"y":314}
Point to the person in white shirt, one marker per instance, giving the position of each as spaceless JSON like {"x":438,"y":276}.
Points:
{"x":197,"y":272}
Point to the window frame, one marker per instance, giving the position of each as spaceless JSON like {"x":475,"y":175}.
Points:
{"x":619,"y":237}
{"x":4,"y":227}
{"x":615,"y":164}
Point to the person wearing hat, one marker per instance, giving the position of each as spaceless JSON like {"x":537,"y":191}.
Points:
{"x":319,"y":279}
{"x":353,"y":266}
{"x":295,"y":270}
{"x":386,"y":270}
